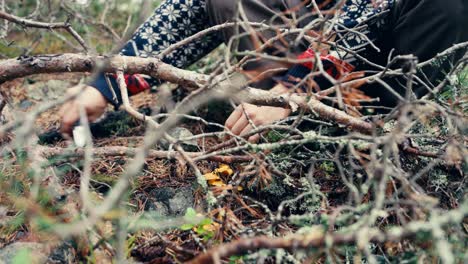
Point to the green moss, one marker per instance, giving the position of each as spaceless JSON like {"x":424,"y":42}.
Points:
{"x":274,"y":136}
{"x":282,"y":160}
{"x":104,"y":178}
{"x":328,"y":166}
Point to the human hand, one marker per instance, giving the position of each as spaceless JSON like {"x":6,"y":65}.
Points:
{"x":93,"y":102}
{"x":239,"y":124}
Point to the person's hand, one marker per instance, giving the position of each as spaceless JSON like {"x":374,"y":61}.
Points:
{"x":93,"y":102}
{"x":239,"y":124}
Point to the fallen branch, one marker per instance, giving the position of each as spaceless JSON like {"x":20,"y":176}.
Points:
{"x":261,"y":97}
{"x":406,"y":147}
{"x":320,"y":239}
{"x":24,"y":66}
{"x":68,"y":62}
{"x":116,"y":151}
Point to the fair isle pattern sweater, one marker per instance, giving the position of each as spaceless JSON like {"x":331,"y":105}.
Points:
{"x":359,"y":22}
{"x":367,"y":17}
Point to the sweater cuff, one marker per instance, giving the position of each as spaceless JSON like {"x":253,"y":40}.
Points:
{"x":333,"y":66}
{"x":299,"y":71}
{"x":293,"y":76}
{"x":107,"y":85}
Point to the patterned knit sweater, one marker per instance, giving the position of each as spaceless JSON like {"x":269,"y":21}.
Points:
{"x":370,"y":14}
{"x":357,"y":23}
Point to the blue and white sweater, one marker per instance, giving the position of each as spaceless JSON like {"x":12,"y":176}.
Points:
{"x":368,"y":17}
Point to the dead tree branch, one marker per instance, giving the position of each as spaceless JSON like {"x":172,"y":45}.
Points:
{"x":36,"y":24}
{"x":15,"y":68}
{"x":117,"y":151}
{"x":25,"y":66}
{"x":320,"y":238}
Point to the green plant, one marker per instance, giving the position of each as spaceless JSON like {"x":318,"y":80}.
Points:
{"x":202,"y":227}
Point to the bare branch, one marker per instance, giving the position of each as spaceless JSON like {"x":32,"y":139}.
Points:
{"x":319,"y":238}
{"x":36,"y":24}
{"x":117,"y":151}
{"x":11,"y":69}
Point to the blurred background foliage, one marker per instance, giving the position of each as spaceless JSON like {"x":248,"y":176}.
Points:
{"x":92,"y":19}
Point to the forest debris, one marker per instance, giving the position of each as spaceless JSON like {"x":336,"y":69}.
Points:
{"x":181,"y":134}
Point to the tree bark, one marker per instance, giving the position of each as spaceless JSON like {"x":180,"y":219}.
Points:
{"x":24,"y":66}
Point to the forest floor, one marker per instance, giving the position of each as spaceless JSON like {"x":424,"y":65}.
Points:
{"x":280,"y":192}
{"x":167,"y":188}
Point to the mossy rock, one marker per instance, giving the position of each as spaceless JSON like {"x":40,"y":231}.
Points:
{"x":171,"y":201}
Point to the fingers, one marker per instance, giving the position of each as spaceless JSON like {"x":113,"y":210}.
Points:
{"x":241,"y":123}
{"x":254,"y":138}
{"x":91,"y":99}
{"x":246,"y":130}
{"x":70,"y":114}
{"x":247,"y":116}
{"x":235,"y":115}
